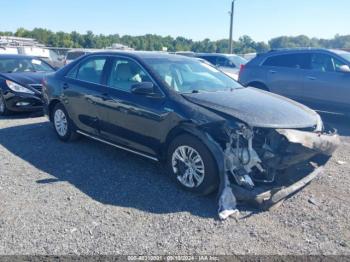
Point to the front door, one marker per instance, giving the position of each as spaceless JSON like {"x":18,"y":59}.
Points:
{"x":129,"y":119}
{"x":325,"y":86}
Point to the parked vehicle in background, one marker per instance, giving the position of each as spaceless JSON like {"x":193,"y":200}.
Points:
{"x":21,"y":83}
{"x":200,"y":122}
{"x":186,"y":53}
{"x":248,"y":56}
{"x":229,"y":64}
{"x":76,"y":53}
{"x":48,"y":55}
{"x":319,"y":78}
{"x":54,"y":59}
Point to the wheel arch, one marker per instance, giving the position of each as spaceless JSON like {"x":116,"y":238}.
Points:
{"x":51,"y":106}
{"x":214,"y":148}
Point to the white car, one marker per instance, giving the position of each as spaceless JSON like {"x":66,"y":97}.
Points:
{"x":227,"y":63}
{"x":76,"y":53}
{"x":8,"y":50}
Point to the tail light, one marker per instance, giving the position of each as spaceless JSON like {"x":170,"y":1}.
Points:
{"x":241,"y":70}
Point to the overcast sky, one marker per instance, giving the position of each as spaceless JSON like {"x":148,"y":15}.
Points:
{"x":196,"y":19}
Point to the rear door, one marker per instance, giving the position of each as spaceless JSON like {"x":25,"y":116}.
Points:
{"x":284,"y":76}
{"x":84,"y":93}
{"x":325,"y":86}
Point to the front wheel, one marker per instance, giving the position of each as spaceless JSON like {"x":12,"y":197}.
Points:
{"x":63,"y":124}
{"x":192,"y":165}
{"x":3,"y":108}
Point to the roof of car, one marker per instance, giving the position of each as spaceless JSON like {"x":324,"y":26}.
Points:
{"x":143,"y":54}
{"x":84,"y":50}
{"x":302,"y":49}
{"x":215,"y":54}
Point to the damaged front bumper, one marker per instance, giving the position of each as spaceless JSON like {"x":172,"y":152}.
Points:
{"x":283,"y":164}
{"x":265,"y":198}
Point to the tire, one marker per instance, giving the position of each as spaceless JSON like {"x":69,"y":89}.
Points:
{"x":208,"y":176}
{"x":63,"y":125}
{"x":3,"y":108}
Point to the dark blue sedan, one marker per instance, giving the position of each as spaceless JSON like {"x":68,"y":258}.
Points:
{"x":21,"y":83}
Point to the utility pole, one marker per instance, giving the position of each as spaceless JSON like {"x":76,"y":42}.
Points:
{"x":232,"y":13}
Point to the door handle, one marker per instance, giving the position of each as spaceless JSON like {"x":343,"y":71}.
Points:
{"x":65,"y":86}
{"x":311,"y":78}
{"x":273,"y":72}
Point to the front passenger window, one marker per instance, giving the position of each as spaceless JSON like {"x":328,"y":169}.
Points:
{"x":322,"y":63}
{"x":338,"y":64}
{"x":91,"y":70}
{"x":126,"y":73}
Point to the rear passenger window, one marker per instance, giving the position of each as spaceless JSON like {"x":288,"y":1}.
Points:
{"x":290,"y":61}
{"x":91,"y":70}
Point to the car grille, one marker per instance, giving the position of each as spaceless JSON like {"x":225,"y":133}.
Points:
{"x":38,"y":87}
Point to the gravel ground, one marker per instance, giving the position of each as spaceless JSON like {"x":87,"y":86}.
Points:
{"x":89,"y":198}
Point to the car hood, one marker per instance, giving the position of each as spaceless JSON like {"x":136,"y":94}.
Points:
{"x":25,"y":78}
{"x":257,"y":108}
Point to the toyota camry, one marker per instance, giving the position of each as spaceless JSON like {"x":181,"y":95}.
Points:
{"x":210,"y":131}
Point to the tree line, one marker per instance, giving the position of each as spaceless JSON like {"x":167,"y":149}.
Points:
{"x":152,"y":42}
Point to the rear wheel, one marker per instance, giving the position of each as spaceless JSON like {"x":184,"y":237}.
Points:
{"x":3,"y":108}
{"x":192,"y":166}
{"x":63,"y":125}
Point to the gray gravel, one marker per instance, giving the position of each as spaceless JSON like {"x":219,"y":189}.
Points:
{"x":89,"y":198}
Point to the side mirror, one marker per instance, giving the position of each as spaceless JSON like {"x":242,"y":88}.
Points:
{"x":145,"y":89}
{"x":344,"y":69}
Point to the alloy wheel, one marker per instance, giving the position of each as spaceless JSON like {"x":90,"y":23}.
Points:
{"x":2,"y":104}
{"x":61,"y":123}
{"x":188,"y":166}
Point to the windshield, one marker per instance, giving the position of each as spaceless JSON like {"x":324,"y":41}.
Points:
{"x":345,"y":55}
{"x":190,"y":75}
{"x":17,"y":65}
{"x":237,"y":60}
